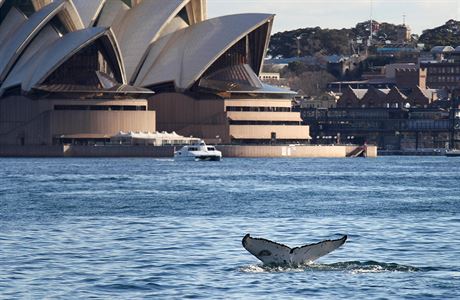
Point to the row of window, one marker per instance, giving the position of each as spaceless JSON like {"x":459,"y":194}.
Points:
{"x":319,"y":106}
{"x":258,"y":109}
{"x":389,"y":125}
{"x":267,"y":77}
{"x":232,"y":122}
{"x":198,"y":149}
{"x":444,"y":79}
{"x":379,"y":105}
{"x":101,"y":107}
{"x":427,"y":124}
{"x":381,"y":114}
{"x":444,"y":70}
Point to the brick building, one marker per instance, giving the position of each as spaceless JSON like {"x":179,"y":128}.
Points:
{"x":389,"y":98}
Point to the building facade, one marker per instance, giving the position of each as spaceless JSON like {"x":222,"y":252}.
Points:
{"x":241,"y":119}
{"x":389,"y":98}
{"x":444,"y":74}
{"x":389,"y":128}
{"x":85,"y":70}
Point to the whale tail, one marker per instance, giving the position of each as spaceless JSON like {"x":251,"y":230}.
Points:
{"x":273,"y":253}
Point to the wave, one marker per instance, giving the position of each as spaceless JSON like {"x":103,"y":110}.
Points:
{"x":349,"y":266}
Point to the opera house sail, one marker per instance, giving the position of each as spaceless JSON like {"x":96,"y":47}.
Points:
{"x":80,"y":71}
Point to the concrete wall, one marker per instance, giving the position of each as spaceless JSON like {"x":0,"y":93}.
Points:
{"x":190,"y":117}
{"x":371,"y":151}
{"x":258,"y":102}
{"x":284,"y":151}
{"x":264,"y":116}
{"x":85,"y":151}
{"x":16,"y":111}
{"x":208,"y":118}
{"x":101,"y":122}
{"x":31,"y":151}
{"x":34,"y":122}
{"x":297,"y":151}
{"x":168,"y":151}
{"x":118,"y":151}
{"x":264,"y":132}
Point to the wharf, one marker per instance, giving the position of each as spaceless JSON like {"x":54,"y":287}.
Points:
{"x":420,"y":152}
{"x":274,"y":151}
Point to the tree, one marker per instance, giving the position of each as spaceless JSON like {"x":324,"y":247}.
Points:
{"x":445,"y":35}
{"x":311,"y":83}
{"x":297,"y":67}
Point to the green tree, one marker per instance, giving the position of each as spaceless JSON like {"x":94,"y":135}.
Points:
{"x":445,"y":35}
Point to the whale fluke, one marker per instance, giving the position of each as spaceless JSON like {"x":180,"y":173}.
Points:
{"x":272,"y":253}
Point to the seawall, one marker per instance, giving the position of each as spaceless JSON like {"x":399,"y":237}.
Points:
{"x":294,"y":151}
{"x":168,"y":151}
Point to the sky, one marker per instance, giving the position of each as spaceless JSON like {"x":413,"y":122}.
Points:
{"x":293,"y":14}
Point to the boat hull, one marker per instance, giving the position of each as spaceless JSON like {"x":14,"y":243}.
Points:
{"x":208,"y":158}
{"x":198,"y":158}
{"x":198,"y":152}
{"x":453,"y":154}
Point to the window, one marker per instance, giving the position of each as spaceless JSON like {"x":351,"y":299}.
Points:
{"x":258,"y":109}
{"x":232,"y":122}
{"x":101,"y":107}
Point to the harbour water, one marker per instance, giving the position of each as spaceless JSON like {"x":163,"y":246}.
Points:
{"x":158,"y":229}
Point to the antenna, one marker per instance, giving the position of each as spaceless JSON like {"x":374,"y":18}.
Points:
{"x":371,"y":27}
{"x":404,"y":19}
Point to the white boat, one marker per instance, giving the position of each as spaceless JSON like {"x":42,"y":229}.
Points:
{"x":199,"y":151}
{"x":452,"y":152}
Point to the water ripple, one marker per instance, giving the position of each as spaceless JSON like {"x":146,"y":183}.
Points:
{"x":156,"y":229}
{"x":355,"y":267}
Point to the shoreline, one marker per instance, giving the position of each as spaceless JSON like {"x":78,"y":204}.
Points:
{"x":249,"y":151}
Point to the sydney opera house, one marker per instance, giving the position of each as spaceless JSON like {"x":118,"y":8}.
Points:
{"x":80,"y":71}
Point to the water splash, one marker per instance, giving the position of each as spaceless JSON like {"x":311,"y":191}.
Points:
{"x":354,"y":267}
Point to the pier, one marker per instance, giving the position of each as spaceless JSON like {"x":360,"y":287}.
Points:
{"x":249,"y":151}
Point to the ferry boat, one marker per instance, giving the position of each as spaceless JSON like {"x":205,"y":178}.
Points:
{"x":452,"y":152}
{"x":198,"y":152}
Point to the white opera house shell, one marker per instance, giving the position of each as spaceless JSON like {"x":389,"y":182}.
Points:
{"x":80,"y":71}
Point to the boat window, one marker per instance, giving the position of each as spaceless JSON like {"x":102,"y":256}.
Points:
{"x":192,"y":149}
{"x":211,"y":149}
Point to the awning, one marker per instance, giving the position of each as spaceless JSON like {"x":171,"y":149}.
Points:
{"x":83,"y":136}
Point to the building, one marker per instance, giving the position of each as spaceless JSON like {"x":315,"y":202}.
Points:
{"x":62,"y":80}
{"x":390,"y":98}
{"x":152,"y":138}
{"x":443,"y":69}
{"x":445,"y":74}
{"x":403,"y":75}
{"x":402,"y":51}
{"x":393,"y":129}
{"x":351,"y":97}
{"x":326,"y":100}
{"x":86,"y":70}
{"x":404,"y":33}
{"x":407,"y":78}
{"x":269,"y":76}
{"x":421,"y":120}
{"x":440,"y":53}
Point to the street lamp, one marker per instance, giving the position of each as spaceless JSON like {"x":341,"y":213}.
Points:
{"x":298,"y":38}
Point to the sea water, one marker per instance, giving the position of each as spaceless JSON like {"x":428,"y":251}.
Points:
{"x":158,"y":229}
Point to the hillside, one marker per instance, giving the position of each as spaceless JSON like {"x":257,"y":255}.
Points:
{"x":445,"y":35}
{"x":311,"y":41}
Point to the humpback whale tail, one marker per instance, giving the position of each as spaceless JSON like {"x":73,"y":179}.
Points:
{"x":273,"y":253}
